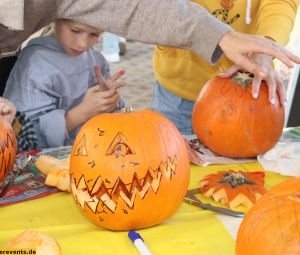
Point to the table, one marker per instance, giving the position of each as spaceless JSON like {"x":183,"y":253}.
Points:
{"x":190,"y":231}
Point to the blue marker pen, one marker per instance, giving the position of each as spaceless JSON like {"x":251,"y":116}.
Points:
{"x":138,"y":242}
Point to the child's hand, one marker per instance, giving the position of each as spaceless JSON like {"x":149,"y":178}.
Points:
{"x":93,"y":103}
{"x":103,"y":97}
{"x":110,"y":83}
{"x":7,"y":109}
{"x":96,"y":101}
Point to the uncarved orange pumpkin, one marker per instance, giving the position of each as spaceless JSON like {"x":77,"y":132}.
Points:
{"x":229,"y":121}
{"x":272,"y":226}
{"x":8,"y":147}
{"x":129,"y":170}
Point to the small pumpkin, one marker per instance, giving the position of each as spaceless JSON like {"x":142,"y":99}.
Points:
{"x":230,"y":122}
{"x":8,"y":145}
{"x":272,"y":226}
{"x":129,"y":170}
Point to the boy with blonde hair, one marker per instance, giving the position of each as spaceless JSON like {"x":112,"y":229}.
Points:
{"x":55,"y":83}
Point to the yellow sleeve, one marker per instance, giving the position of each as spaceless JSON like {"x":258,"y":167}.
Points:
{"x":276,"y":19}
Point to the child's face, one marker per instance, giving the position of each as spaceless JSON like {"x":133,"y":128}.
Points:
{"x":75,"y":37}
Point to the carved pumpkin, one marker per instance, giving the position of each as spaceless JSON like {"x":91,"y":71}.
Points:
{"x":229,"y":121}
{"x":234,"y":188}
{"x":272,"y":226}
{"x":129,"y":170}
{"x":8,"y":148}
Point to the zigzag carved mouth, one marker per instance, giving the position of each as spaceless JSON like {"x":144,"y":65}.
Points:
{"x":109,"y":196}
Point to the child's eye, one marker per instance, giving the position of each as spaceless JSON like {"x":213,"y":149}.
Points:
{"x":75,"y":31}
{"x":94,"y":35}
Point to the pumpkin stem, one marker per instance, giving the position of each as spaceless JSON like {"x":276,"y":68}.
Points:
{"x":235,"y":179}
{"x":243,"y":78}
{"x":127,"y":108}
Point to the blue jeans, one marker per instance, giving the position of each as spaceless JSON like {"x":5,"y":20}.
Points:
{"x":175,"y":108}
{"x":110,"y":43}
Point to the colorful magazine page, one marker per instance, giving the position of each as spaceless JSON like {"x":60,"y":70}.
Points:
{"x":31,"y":184}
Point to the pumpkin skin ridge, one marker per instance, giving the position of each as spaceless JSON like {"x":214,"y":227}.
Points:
{"x":163,"y":153}
{"x":260,"y":142}
{"x":272,"y":226}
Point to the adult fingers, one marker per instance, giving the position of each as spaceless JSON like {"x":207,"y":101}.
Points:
{"x":277,"y":51}
{"x":256,"y":86}
{"x":272,"y":88}
{"x":250,"y":66}
{"x":281,"y":88}
{"x":231,"y":71}
{"x":291,"y":56}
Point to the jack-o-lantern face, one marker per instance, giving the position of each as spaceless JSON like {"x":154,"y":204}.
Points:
{"x":8,"y":147}
{"x":129,"y":170}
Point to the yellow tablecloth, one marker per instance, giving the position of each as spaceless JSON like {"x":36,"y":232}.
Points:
{"x":190,"y":231}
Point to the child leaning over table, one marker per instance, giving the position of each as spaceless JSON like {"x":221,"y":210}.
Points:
{"x":55,"y":83}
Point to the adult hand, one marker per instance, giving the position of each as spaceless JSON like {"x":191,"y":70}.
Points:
{"x":239,"y":47}
{"x":272,"y":79}
{"x":7,"y":110}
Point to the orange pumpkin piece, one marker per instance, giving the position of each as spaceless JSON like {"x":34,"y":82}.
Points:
{"x":234,"y":188}
{"x":229,"y":121}
{"x":57,"y":171}
{"x":30,"y":238}
{"x":272,"y":226}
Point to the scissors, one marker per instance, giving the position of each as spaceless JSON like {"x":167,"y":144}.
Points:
{"x":21,"y":166}
{"x":191,"y":199}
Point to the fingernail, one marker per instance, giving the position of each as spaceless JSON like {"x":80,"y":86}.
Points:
{"x":255,"y":95}
{"x":273,"y":100}
{"x":122,"y":72}
{"x":220,"y":74}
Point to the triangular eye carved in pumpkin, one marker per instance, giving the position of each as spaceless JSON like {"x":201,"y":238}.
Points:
{"x":80,"y":147}
{"x":119,"y":147}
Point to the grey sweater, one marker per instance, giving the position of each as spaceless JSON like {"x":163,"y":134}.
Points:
{"x":172,"y":23}
{"x":46,"y":82}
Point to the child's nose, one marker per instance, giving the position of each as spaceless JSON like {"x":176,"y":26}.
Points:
{"x":82,"y":42}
